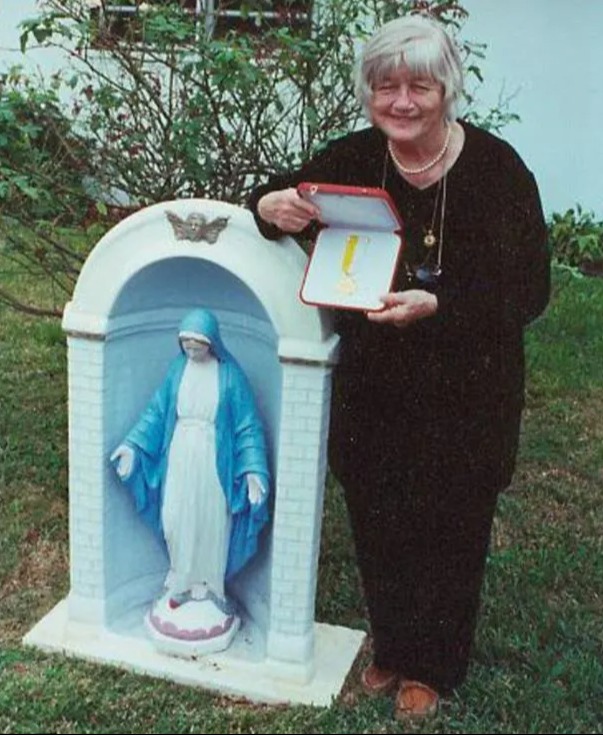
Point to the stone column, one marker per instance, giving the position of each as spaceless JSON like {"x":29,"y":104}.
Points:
{"x":302,"y":466}
{"x":87,"y":499}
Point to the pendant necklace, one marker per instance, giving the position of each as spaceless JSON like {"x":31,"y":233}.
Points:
{"x":427,"y":272}
{"x":429,"y":240}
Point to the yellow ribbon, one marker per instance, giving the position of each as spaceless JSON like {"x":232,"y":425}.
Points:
{"x":348,"y":253}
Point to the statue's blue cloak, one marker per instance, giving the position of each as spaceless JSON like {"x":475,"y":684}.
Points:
{"x":240,"y":445}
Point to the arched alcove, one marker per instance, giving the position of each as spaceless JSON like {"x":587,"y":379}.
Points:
{"x":140,"y":342}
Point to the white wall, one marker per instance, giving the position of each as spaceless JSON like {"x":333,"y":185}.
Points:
{"x":546,"y":52}
{"x":550,"y":53}
{"x":13,"y":12}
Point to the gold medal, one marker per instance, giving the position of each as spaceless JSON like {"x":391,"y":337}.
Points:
{"x":347,"y":285}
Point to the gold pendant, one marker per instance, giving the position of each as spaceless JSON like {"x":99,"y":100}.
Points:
{"x":429,"y":240}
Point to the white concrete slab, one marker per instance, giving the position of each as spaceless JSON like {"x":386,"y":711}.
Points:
{"x":232,"y":672}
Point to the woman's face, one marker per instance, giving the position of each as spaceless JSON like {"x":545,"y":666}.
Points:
{"x":409,"y":109}
{"x":196,"y":349}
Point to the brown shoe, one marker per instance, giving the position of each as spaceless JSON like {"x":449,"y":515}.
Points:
{"x":415,"y":701}
{"x":378,"y":681}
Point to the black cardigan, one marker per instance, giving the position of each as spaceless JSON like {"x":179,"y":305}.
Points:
{"x":443,"y":397}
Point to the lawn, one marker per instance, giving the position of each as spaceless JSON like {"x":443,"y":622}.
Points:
{"x":538,"y":660}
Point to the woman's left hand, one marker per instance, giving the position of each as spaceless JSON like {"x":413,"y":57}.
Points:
{"x":405,"y":307}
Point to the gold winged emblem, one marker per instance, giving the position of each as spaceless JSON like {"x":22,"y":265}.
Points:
{"x":196,"y":227}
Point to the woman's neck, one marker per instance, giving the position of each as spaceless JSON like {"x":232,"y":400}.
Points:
{"x":431,"y":174}
{"x":419,"y":153}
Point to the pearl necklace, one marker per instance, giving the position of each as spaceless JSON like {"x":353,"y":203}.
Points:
{"x":427,"y":166}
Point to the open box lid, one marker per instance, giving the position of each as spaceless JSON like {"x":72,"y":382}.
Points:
{"x":356,"y":252}
{"x":352,"y":207}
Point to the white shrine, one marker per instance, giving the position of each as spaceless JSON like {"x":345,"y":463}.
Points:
{"x":134,"y":288}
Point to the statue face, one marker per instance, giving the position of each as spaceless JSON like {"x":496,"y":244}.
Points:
{"x":196,"y":349}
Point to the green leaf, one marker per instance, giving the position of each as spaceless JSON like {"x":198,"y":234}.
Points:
{"x":23,"y":40}
{"x":41,"y":34}
{"x":475,"y":70}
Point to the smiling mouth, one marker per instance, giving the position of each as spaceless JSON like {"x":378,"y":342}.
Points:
{"x":403,"y":121}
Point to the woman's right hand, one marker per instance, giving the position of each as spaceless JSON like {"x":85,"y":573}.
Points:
{"x":287,"y":210}
{"x":124,"y":455}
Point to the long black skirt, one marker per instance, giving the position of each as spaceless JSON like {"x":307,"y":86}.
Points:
{"x":421,"y":487}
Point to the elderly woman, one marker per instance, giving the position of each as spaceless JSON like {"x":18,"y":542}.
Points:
{"x":429,"y":391}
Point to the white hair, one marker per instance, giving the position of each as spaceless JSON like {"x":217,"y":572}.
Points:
{"x":419,"y":43}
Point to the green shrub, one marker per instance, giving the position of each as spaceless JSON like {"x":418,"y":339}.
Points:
{"x":43,"y":161}
{"x":177,"y":111}
{"x":170,"y":110}
{"x":576,"y":238}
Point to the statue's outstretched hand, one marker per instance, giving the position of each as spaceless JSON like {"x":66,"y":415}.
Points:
{"x":125,"y":456}
{"x":255,"y":489}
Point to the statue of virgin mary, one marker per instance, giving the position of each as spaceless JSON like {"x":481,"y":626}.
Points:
{"x":196,"y":466}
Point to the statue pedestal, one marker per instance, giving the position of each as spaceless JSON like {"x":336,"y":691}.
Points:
{"x":193,"y":629}
{"x":239,"y":671}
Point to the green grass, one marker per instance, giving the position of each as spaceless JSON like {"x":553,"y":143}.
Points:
{"x":538,"y":660}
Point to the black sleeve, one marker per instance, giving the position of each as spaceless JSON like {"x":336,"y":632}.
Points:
{"x":328,"y":166}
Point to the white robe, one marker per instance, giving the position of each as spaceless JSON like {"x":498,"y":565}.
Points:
{"x":195,"y":516}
